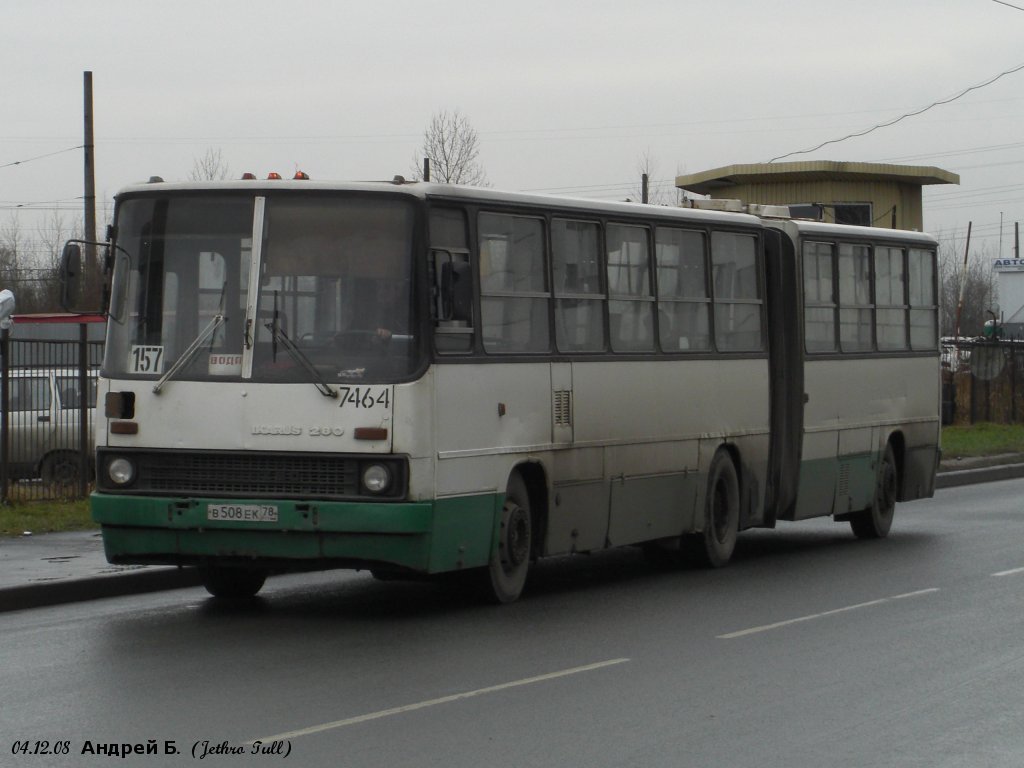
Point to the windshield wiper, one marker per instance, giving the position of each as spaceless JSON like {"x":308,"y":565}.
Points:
{"x":186,"y":357}
{"x":300,"y":357}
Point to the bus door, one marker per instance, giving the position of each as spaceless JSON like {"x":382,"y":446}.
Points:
{"x":579,"y":518}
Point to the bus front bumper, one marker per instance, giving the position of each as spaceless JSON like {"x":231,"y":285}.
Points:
{"x":424,"y":537}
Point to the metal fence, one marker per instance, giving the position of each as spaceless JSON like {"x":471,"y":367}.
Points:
{"x":46,"y":424}
{"x":982,"y":381}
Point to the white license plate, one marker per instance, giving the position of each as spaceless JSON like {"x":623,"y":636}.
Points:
{"x":242,"y":513}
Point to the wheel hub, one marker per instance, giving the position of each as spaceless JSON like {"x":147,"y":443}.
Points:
{"x":515,"y":535}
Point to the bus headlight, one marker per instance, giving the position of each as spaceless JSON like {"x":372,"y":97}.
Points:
{"x":121,"y":471}
{"x":376,"y":478}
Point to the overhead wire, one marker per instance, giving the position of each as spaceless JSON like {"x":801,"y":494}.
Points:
{"x":40,"y":157}
{"x":902,"y":117}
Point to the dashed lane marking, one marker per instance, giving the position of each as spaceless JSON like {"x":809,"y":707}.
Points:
{"x":823,"y":614}
{"x":435,"y":702}
{"x":1011,"y":572}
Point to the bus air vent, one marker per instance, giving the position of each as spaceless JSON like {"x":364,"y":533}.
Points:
{"x":563,"y":407}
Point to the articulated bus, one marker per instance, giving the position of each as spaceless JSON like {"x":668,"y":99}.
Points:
{"x":419,"y":379}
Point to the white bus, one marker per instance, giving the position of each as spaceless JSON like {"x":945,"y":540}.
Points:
{"x":425,"y":379}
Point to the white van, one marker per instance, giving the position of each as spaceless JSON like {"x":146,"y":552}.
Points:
{"x":43,"y":420}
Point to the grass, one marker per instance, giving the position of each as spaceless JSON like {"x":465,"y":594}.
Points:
{"x":45,"y":517}
{"x":982,"y":439}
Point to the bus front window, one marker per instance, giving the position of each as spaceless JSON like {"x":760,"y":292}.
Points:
{"x":337,"y":281}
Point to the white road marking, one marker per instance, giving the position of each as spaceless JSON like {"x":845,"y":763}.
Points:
{"x":434,"y":702}
{"x":1010,"y":572}
{"x":823,"y":614}
{"x":915,"y":594}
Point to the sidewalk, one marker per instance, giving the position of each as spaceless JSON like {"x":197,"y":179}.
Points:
{"x":55,"y":568}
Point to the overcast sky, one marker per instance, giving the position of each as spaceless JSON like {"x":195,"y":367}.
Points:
{"x":566,"y":96}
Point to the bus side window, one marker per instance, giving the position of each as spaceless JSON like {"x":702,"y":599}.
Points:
{"x":513,"y":284}
{"x":451,"y":281}
{"x":736,"y":289}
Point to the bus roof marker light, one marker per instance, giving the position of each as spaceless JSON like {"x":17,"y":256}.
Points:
{"x":301,"y":176}
{"x":247,"y":176}
{"x":273,"y":176}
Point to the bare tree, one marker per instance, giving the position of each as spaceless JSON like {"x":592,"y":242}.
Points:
{"x":659,"y":191}
{"x":15,"y":271}
{"x":53,"y":233}
{"x":210,"y":167}
{"x":453,"y":147}
{"x":977,"y":283}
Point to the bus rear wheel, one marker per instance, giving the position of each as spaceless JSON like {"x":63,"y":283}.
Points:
{"x":510,"y":562}
{"x":875,"y":521}
{"x":230,"y":583}
{"x":713,"y":547}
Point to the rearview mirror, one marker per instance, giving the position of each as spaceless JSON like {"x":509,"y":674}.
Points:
{"x":70,"y":274}
{"x":82,"y":285}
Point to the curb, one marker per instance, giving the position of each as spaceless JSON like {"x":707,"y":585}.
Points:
{"x":42,"y":594}
{"x":960,"y":477}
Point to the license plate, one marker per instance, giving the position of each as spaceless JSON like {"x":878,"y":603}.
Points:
{"x":242,"y":513}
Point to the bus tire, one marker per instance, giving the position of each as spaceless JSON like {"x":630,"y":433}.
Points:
{"x":875,"y":521}
{"x":506,"y":573}
{"x":229,"y":583}
{"x":713,"y":547}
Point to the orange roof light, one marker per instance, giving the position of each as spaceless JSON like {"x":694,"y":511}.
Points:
{"x":302,"y":175}
{"x":248,"y":177}
{"x":274,"y":175}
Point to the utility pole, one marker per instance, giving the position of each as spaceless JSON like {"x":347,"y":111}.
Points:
{"x":963,"y":281}
{"x":1000,"y":234}
{"x":90,"y":183}
{"x":644,"y":194}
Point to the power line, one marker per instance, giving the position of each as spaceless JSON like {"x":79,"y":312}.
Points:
{"x":40,"y":157}
{"x":1009,"y":5}
{"x":954,"y":152}
{"x":904,"y":116}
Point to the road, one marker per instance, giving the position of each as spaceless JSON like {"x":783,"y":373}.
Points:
{"x":811,"y":649}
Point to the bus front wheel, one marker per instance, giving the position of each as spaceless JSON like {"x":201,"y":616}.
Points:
{"x":232,"y":583}
{"x":875,"y":521}
{"x":713,"y":547}
{"x":510,"y":561}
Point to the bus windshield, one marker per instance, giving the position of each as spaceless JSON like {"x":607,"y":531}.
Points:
{"x":332,"y":301}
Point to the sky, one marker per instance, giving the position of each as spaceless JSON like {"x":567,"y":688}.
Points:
{"x":567,"y":97}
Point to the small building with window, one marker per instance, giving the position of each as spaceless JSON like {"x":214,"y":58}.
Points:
{"x":868,"y":194}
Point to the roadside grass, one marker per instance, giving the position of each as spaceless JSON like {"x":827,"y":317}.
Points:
{"x":22,"y":514}
{"x":982,"y":439}
{"x":51,"y":516}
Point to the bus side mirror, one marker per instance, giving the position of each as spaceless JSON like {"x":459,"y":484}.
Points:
{"x":70,"y":274}
{"x":457,"y":291}
{"x":82,"y":285}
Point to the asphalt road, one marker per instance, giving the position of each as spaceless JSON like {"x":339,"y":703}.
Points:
{"x":812,"y":649}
